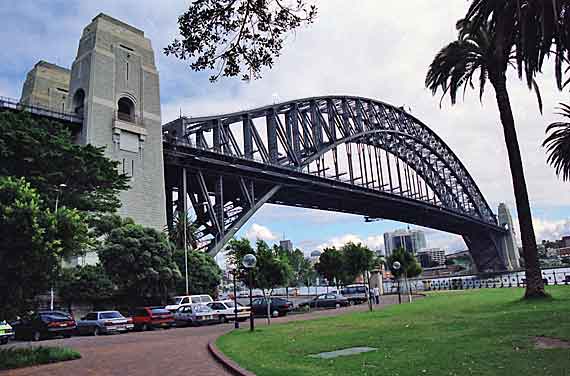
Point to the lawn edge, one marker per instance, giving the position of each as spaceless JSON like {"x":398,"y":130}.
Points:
{"x":227,"y":363}
{"x":41,"y":364}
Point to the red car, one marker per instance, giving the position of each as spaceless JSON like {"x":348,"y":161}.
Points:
{"x":147,"y":318}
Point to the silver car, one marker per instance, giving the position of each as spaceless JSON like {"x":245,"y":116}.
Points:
{"x":195,"y":314}
{"x":104,"y":322}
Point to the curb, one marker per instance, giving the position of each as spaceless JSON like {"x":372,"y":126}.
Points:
{"x":227,"y":363}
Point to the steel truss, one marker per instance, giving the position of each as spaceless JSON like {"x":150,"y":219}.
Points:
{"x":345,"y":141}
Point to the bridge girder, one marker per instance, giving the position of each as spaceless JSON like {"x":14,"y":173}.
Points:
{"x":386,"y":151}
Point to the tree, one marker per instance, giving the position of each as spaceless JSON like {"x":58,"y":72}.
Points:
{"x":237,"y":36}
{"x":140,"y":261}
{"x":237,"y":249}
{"x":204,"y":274}
{"x":87,"y":283}
{"x":357,"y":260}
{"x":271,"y":270}
{"x":486,"y":49}
{"x":558,"y":144}
{"x":33,"y":243}
{"x":409,"y":265}
{"x":176,"y":233}
{"x":42,"y":151}
{"x":330,"y":265}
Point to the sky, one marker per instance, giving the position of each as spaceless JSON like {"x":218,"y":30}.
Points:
{"x":369,"y":48}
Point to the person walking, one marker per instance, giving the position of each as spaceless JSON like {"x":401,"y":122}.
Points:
{"x":376,"y":291}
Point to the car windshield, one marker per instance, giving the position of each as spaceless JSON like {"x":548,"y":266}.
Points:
{"x":159,"y":311}
{"x":55,"y":316}
{"x":230,"y":304}
{"x":176,"y":300}
{"x":201,"y":308}
{"x":111,"y":315}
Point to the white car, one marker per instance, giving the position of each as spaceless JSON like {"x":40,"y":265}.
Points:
{"x":225,"y":310}
{"x":178,"y":301}
{"x":195,"y":314}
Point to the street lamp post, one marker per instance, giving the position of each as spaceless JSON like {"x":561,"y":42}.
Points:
{"x":236,"y":323}
{"x":60,"y":187}
{"x":396,"y":266}
{"x":249,"y":262}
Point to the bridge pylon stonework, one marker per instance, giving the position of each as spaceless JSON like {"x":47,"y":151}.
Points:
{"x":336,"y":153}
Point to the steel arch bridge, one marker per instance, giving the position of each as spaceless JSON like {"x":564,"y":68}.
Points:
{"x":336,"y":153}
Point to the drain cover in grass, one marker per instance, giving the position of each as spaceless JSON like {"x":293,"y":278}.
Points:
{"x":343,"y":352}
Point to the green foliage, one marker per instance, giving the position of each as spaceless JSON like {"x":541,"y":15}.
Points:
{"x":237,"y":249}
{"x":330,"y":265}
{"x":33,"y":243}
{"x":42,"y":151}
{"x":88,"y":284}
{"x":357,"y":259}
{"x":11,"y":358}
{"x":558,"y":144}
{"x":409,"y":264}
{"x":176,"y":233}
{"x":204,"y":274}
{"x":237,"y":37}
{"x":140,"y":261}
{"x":484,"y":332}
{"x":302,"y":271}
{"x":272,"y":268}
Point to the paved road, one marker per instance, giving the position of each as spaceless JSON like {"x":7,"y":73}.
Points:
{"x":177,"y":351}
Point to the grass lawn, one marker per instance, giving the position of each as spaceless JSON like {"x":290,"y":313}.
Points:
{"x":473,"y":332}
{"x":24,"y":357}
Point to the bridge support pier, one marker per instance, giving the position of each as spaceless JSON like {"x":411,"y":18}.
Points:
{"x":487,"y":250}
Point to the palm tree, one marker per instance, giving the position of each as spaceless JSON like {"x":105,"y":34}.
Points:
{"x":558,"y":144}
{"x":482,"y":48}
{"x":176,"y":233}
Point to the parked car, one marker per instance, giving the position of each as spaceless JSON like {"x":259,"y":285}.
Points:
{"x":278,"y":307}
{"x":177,"y":301}
{"x":326,"y":301}
{"x":6,"y":332}
{"x":355,"y":294}
{"x":147,"y":318}
{"x":225,"y":310}
{"x":44,"y":324}
{"x":195,"y":314}
{"x":104,"y":322}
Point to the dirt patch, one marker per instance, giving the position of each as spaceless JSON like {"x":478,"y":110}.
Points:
{"x":550,"y":343}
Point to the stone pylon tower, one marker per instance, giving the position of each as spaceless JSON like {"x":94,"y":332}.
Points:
{"x":511,"y":249}
{"x":114,"y":84}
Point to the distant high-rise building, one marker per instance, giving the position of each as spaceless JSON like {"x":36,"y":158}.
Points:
{"x":409,"y":240}
{"x":428,"y":256}
{"x":286,"y":245}
{"x":511,"y":254}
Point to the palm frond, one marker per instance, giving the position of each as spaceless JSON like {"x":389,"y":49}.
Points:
{"x":558,"y":144}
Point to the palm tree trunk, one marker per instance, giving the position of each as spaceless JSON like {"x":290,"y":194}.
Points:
{"x":534,"y":283}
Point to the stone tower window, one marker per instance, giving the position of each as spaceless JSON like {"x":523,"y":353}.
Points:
{"x":126,"y":110}
{"x":79,"y":102}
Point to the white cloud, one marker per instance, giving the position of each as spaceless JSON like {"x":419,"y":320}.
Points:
{"x":546,"y":229}
{"x":374,"y":242}
{"x":260,"y":232}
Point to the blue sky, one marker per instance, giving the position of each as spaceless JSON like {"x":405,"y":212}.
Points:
{"x":374,"y":49}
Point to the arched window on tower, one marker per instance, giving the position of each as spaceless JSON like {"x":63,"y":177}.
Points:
{"x":79,"y":102}
{"x":126,"y":110}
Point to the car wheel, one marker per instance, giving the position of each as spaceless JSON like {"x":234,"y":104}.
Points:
{"x":36,"y":336}
{"x":337,"y":305}
{"x":351,"y":302}
{"x":96,"y":331}
{"x":67,"y":335}
{"x":274,"y":313}
{"x":144,"y":327}
{"x":223,"y":319}
{"x":3,"y":341}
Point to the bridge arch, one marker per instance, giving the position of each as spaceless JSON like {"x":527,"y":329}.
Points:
{"x":340,"y":140}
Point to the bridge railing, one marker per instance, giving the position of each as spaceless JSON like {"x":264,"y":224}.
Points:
{"x":15,"y":105}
